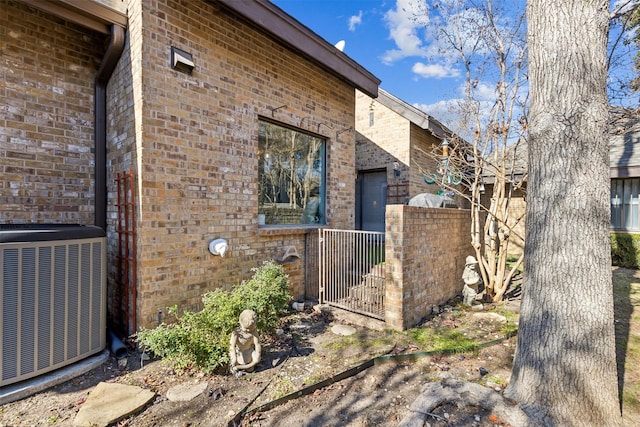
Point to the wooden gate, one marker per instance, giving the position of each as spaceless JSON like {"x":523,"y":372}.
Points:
{"x":352,"y":270}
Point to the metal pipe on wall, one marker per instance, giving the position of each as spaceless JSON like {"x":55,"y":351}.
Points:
{"x":111,"y":58}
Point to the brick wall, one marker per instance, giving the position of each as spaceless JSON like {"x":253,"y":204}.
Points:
{"x":384,"y":142}
{"x":425,"y":255}
{"x":124,"y":129}
{"x":46,"y":123}
{"x":393,"y":138}
{"x":193,"y":141}
{"x":424,"y":146}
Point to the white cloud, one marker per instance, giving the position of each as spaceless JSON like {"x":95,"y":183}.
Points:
{"x":484,"y":91}
{"x":354,"y":21}
{"x":444,"y":111}
{"x":437,"y":71}
{"x":404,"y":22}
{"x":450,"y":112}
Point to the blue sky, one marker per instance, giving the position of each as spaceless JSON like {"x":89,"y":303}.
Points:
{"x":396,"y":41}
{"x":390,"y":39}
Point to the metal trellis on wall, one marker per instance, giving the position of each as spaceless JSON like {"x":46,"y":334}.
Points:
{"x":126,"y":294}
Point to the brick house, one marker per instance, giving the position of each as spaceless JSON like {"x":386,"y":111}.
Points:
{"x":395,"y":143}
{"x":196,"y":106}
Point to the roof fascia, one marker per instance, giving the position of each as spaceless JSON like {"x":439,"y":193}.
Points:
{"x":282,"y":26}
{"x":95,"y":15}
{"x":415,"y":116}
{"x":625,"y":172}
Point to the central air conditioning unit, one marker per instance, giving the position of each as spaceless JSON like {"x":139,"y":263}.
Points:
{"x":53,"y":297}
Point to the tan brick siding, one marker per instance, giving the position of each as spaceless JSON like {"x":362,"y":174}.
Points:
{"x":46,"y":123}
{"x":424,"y":146}
{"x":384,"y":142}
{"x":392,"y":138}
{"x":425,"y":255}
{"x":125,"y":105}
{"x":193,"y":140}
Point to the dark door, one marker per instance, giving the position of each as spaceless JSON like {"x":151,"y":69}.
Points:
{"x":373,"y":200}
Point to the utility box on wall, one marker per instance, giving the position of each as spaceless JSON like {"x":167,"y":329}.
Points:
{"x":53,"y":297}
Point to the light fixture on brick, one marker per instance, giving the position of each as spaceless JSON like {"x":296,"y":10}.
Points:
{"x":396,"y":168}
{"x":218,"y":247}
{"x":181,"y":60}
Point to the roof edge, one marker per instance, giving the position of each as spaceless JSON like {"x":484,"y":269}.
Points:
{"x":92,"y":14}
{"x":279,"y":24}
{"x":414,"y":115}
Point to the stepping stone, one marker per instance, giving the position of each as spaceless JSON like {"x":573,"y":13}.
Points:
{"x":490,"y":317}
{"x":343,"y":330}
{"x":186,"y":392}
{"x":110,"y":402}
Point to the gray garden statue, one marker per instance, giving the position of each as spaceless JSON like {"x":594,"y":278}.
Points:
{"x":471,"y":280}
{"x":244,"y":350}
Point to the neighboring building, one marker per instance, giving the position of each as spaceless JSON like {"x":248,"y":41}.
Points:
{"x":395,"y":144}
{"x":223,"y":111}
{"x":624,"y":159}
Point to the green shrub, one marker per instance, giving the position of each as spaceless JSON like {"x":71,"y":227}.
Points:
{"x":201,"y":339}
{"x":624,"y":250}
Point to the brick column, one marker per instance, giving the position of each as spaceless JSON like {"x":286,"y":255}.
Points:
{"x":425,"y":253}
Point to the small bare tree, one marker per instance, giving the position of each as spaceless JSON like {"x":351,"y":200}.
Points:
{"x":623,"y":61}
{"x":489,"y":49}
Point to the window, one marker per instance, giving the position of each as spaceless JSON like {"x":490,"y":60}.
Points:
{"x":291,"y":175}
{"x":625,"y":204}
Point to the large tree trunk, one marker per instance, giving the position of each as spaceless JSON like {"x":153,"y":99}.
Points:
{"x":564,"y":370}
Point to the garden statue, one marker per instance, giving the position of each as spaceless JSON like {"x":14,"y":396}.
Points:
{"x":471,"y":280}
{"x":244,"y":350}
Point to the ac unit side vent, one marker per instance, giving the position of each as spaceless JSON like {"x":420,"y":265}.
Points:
{"x":53,"y":301}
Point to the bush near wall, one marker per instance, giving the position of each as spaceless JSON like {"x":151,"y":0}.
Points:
{"x":625,"y":250}
{"x":200,"y":340}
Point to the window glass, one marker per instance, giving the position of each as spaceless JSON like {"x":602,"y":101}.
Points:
{"x":291,"y":174}
{"x":634,"y":204}
{"x":616,"y":202}
{"x":625,"y":204}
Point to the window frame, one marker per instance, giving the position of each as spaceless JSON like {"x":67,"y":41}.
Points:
{"x":322,"y":187}
{"x":624,"y":202}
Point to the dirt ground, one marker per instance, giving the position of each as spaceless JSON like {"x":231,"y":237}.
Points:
{"x":304,"y":353}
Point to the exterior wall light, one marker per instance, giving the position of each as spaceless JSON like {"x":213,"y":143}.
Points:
{"x":181,"y":60}
{"x":218,"y":247}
